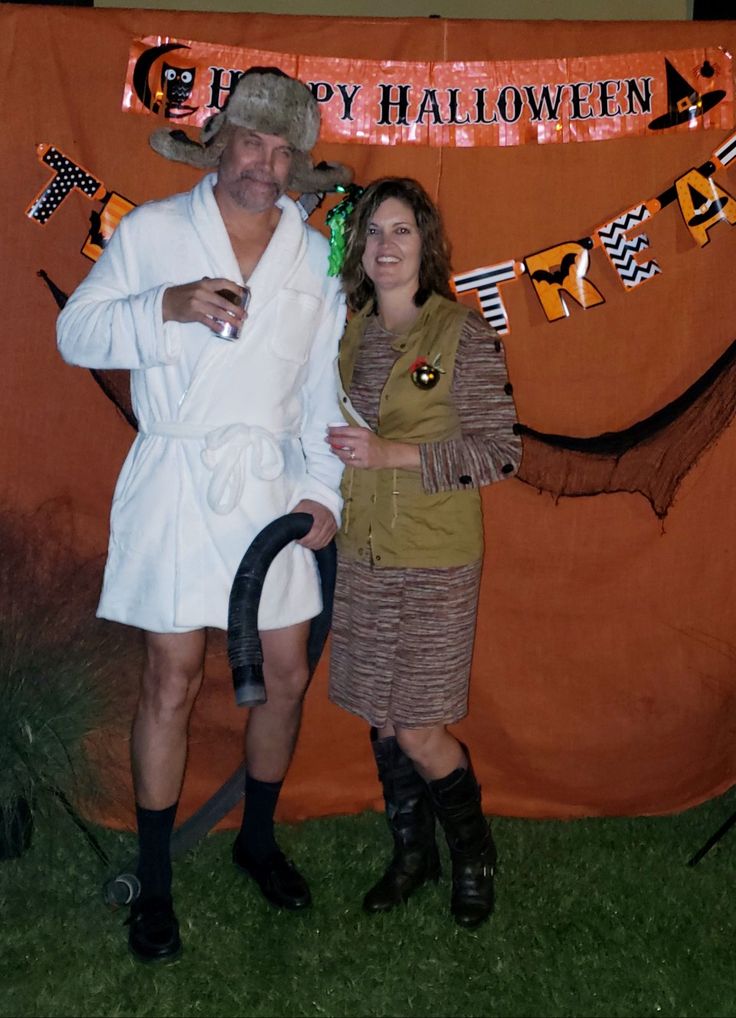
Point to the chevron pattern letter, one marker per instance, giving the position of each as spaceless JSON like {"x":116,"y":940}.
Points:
{"x":486,"y":282}
{"x":621,"y":249}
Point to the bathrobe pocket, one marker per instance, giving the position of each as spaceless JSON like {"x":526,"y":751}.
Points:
{"x":147,"y":489}
{"x":296,"y":320}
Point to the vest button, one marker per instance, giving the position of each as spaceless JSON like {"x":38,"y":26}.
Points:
{"x":465,"y":478}
{"x":507,"y":468}
{"x":508,"y":388}
{"x":378,"y":558}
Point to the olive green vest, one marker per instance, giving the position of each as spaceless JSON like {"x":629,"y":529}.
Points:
{"x":387,"y":515}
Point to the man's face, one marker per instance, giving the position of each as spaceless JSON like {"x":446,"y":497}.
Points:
{"x":254,"y":169}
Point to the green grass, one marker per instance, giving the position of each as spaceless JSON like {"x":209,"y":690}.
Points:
{"x":594,"y":917}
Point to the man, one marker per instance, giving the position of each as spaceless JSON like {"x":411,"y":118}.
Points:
{"x":231,"y":436}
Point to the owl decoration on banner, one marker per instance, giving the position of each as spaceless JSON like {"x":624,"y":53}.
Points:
{"x":165,"y":91}
{"x":176,"y":87}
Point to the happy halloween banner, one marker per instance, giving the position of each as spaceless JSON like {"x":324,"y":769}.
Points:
{"x":481,"y":103}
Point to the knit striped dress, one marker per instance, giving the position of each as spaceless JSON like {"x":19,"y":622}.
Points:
{"x":402,"y":639}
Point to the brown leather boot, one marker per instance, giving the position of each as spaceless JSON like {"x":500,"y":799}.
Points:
{"x":456,"y":801}
{"x":411,"y":822}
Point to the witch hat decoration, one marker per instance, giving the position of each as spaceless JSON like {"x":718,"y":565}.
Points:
{"x":705,"y":210}
{"x":683,"y":101}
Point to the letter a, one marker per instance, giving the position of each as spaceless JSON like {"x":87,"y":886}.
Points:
{"x":703,"y":204}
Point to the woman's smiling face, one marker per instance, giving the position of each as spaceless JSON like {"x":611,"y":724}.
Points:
{"x":393,"y":247}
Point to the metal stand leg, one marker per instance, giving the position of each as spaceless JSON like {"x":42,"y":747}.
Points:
{"x":723,"y":829}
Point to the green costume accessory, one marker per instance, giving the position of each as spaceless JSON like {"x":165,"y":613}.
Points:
{"x":336,"y":219}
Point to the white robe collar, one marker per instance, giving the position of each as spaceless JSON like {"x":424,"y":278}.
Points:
{"x":278,"y":263}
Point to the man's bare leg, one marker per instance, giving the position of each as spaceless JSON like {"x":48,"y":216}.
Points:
{"x":273,"y":726}
{"x":270,"y":739}
{"x":172,"y":676}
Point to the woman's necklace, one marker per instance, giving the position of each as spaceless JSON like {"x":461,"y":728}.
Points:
{"x":401,"y":325}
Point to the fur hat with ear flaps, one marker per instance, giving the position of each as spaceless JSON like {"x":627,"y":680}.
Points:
{"x":270,"y":102}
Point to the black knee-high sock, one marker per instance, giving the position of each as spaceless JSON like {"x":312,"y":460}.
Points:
{"x":154,"y":856}
{"x":256,"y":832}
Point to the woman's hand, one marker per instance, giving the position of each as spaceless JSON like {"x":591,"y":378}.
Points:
{"x":363,"y":449}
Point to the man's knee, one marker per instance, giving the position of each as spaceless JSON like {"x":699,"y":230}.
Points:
{"x":285,"y":665}
{"x":168,"y":693}
{"x":172,"y":676}
{"x":287,"y":683}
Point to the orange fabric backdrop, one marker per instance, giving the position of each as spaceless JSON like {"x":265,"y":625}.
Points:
{"x":603,"y":679}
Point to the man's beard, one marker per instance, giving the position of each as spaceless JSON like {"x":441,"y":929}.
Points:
{"x":253,"y":193}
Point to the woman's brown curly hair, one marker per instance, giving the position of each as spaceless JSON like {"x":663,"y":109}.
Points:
{"x":434,"y":269}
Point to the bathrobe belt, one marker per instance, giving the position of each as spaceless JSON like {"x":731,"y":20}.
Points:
{"x":232,"y":452}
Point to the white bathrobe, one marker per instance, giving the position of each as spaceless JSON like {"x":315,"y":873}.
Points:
{"x":231,"y":434}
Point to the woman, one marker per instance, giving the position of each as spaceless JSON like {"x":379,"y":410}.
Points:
{"x":430,"y":419}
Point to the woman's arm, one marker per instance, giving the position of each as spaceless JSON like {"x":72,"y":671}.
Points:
{"x":363,"y":449}
{"x":488,"y":449}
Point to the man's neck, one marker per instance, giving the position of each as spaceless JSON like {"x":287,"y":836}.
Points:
{"x":249,"y":232}
{"x":242,"y":221}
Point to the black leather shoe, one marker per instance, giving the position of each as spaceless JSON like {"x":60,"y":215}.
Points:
{"x":279,"y":880}
{"x":154,"y":931}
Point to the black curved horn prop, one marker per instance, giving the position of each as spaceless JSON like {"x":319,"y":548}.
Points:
{"x":243,"y":642}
